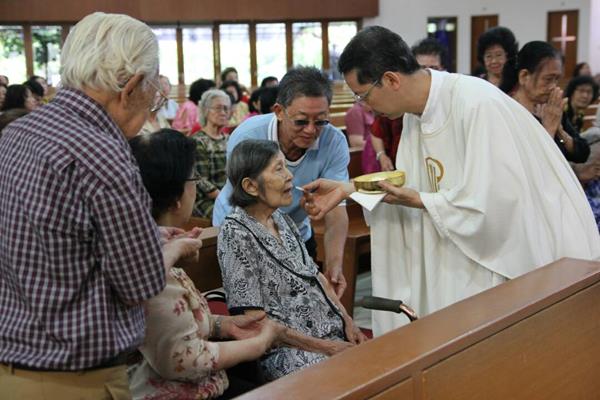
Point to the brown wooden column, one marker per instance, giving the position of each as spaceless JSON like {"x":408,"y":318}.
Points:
{"x":28,"y":46}
{"x":217,"y":52}
{"x":64,"y":32}
{"x":289,"y":44}
{"x":325,"y":44}
{"x":253,"y":60}
{"x":180,"y":64}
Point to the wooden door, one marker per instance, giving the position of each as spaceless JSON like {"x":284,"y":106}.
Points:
{"x":480,"y":24}
{"x":562,"y":34}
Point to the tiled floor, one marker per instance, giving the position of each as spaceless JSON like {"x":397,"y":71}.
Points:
{"x":362,"y":316}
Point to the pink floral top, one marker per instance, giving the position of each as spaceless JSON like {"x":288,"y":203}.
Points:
{"x":179,"y":362}
{"x":186,"y":117}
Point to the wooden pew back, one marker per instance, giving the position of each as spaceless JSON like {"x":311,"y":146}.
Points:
{"x":535,"y":337}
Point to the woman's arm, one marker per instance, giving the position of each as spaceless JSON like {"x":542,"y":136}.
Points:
{"x":384,"y":161}
{"x":293,"y":338}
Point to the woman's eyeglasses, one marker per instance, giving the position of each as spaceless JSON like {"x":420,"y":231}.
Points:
{"x":224,"y":109}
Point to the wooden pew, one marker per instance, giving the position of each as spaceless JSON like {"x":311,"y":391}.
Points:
{"x":535,"y":337}
{"x":338,"y":119}
{"x":206,"y":273}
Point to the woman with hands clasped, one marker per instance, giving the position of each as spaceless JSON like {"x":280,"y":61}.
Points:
{"x":266,"y":267}
{"x":182,"y":354}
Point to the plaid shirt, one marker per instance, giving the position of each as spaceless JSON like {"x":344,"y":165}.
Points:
{"x":211,"y":168}
{"x":78,"y":245}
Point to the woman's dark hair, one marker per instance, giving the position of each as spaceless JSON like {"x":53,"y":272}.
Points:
{"x":198,"y":88}
{"x":303,"y":82}
{"x":268,"y":80}
{"x":531,"y":57}
{"x":268,"y":98}
{"x":374,"y":51}
{"x":580,"y":81}
{"x":578,"y":68}
{"x":254,"y":97}
{"x":431,"y":46}
{"x":36,"y":88}
{"x":166,"y":159}
{"x":237,"y":87}
{"x":248,"y":160}
{"x":500,"y":36}
{"x":15,"y":97}
{"x":226,"y":71}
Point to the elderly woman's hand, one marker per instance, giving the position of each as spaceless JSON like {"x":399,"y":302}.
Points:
{"x":331,"y":347}
{"x":353,"y":332}
{"x":242,"y":326}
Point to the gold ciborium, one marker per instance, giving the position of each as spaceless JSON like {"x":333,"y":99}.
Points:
{"x":368,"y":183}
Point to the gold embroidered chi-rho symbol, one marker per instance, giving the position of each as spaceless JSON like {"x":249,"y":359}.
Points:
{"x":435,"y":172}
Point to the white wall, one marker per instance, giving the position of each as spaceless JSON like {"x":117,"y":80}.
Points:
{"x":526,"y":18}
{"x":594,"y":37}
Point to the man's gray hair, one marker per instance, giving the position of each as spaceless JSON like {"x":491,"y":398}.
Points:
{"x":303,"y":82}
{"x":206,"y":102}
{"x":103,"y":51}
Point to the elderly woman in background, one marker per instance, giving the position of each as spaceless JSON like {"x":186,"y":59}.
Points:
{"x":266,"y":267}
{"x":19,"y":96}
{"x":186,"y":120}
{"x":239,"y":109}
{"x":533,"y":82}
{"x":181,"y":359}
{"x":581,"y":92}
{"x":3,"y":89}
{"x":215,"y":109}
{"x":495,"y":48}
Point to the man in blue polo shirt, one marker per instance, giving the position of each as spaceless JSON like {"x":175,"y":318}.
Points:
{"x":313,"y":149}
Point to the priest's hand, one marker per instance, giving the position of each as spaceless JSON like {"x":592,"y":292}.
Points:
{"x":323,"y":195}
{"x":336,"y":278}
{"x":551,"y":112}
{"x":401,"y":195}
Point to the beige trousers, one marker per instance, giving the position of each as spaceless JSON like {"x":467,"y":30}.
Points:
{"x":106,"y":383}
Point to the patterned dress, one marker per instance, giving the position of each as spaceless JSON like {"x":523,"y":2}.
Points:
{"x":211,"y":168}
{"x":179,"y":362}
{"x":262,"y":273}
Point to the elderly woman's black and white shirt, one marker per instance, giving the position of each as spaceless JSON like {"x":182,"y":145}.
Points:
{"x":262,"y":273}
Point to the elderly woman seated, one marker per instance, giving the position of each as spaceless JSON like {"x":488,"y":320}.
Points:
{"x":266,"y":267}
{"x":180,"y":358}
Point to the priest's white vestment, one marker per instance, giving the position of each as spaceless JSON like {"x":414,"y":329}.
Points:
{"x":500,"y":200}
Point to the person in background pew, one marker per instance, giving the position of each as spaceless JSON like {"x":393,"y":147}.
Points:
{"x":430,"y":53}
{"x":312,"y":148}
{"x":155,"y":120}
{"x":266,"y":266}
{"x":582,"y":69}
{"x":186,"y":120}
{"x":269,"y":81}
{"x":533,"y":82}
{"x":211,"y":142}
{"x":580,"y":92}
{"x":169,"y":109}
{"x":239,"y":109}
{"x":80,"y":251}
{"x":19,"y":96}
{"x":3,"y":89}
{"x":496,"y":48}
{"x":183,"y":352}
{"x":359,"y":119}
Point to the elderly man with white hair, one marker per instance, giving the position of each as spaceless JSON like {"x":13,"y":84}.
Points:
{"x":79,"y":251}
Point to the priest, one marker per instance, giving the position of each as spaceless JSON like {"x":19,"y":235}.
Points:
{"x":488,"y":196}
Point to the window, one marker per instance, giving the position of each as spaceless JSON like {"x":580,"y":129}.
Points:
{"x":12,"y":54}
{"x":444,"y":30}
{"x":167,"y":48}
{"x":234,"y":42}
{"x":198,"y":58}
{"x":270,"y":51}
{"x":307,"y":44}
{"x":46,"y":52}
{"x":339,"y":34}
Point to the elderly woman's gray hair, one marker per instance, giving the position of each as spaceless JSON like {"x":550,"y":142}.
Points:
{"x":248,"y":160}
{"x":206,"y":102}
{"x":103,"y":51}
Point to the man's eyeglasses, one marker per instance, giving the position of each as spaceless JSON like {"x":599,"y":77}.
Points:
{"x":302,"y":123}
{"x":159,"y":101}
{"x":361,"y":98}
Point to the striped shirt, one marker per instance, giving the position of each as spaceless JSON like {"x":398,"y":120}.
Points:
{"x":78,"y":246}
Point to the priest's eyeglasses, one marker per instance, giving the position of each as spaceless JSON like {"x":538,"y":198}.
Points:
{"x":361,"y":98}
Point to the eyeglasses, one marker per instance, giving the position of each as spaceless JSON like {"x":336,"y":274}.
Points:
{"x":224,"y":109}
{"x":302,"y":123}
{"x":361,"y":98}
{"x":495,"y":56}
{"x":159,"y":101}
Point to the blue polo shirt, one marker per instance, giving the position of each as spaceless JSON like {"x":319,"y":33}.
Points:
{"x":327,"y":158}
